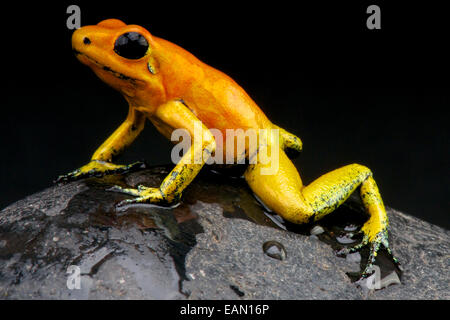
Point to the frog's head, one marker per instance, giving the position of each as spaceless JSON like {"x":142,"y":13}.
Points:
{"x":122,"y":56}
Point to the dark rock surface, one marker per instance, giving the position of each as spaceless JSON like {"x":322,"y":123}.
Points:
{"x":208,"y":247}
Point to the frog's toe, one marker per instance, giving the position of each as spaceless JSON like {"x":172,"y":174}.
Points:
{"x":61,"y":178}
{"x":71,"y":176}
{"x":127,"y":202}
{"x":385,"y":244}
{"x":139,"y":165}
{"x":342,"y":252}
{"x":130,"y":191}
{"x":142,"y":194}
{"x":378,"y":243}
{"x":368,"y":269}
{"x":97,"y":168}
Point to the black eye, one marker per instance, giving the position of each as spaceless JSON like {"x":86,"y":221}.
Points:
{"x":131,"y":45}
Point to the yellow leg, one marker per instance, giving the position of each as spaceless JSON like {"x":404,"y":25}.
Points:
{"x":122,"y":137}
{"x":285,"y":194}
{"x":100,"y":163}
{"x":289,"y":142}
{"x":175,"y":114}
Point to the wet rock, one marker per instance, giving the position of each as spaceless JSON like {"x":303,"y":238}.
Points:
{"x":274,"y":249}
{"x":69,"y":242}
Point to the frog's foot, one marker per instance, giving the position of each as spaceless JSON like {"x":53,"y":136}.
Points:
{"x":98,"y":168}
{"x":143,"y":195}
{"x":379,"y":241}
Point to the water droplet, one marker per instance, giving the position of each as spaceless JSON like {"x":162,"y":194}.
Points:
{"x":345,"y":239}
{"x":274,"y":249}
{"x":317,"y":230}
{"x":351,"y":227}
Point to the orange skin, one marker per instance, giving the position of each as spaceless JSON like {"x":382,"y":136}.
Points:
{"x":214,"y":98}
{"x":173,"y":89}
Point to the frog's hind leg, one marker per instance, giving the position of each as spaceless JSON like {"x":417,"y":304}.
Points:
{"x":289,"y":142}
{"x":284,"y":193}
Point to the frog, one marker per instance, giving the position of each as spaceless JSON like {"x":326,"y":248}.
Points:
{"x":171,"y":88}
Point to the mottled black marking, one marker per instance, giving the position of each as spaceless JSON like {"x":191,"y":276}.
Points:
{"x":237,"y":291}
{"x":117,"y":74}
{"x":108,"y":69}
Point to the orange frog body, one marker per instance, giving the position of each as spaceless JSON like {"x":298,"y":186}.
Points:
{"x":174,"y":90}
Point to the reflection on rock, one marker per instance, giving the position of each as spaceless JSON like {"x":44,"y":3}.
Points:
{"x":206,"y":247}
{"x":274,"y":249}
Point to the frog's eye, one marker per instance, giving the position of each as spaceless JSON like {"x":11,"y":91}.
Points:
{"x":131,"y":45}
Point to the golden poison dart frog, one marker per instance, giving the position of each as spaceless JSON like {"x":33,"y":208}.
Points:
{"x":174,"y":90}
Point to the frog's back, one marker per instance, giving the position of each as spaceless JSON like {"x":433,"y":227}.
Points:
{"x":215,"y":98}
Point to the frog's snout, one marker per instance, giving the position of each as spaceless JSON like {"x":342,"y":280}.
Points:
{"x":79,"y":38}
{"x":87,"y":35}
{"x":92,"y":39}
{"x":75,"y":40}
{"x":83,"y":43}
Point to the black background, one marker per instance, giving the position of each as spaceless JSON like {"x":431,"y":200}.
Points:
{"x":374,"y":97}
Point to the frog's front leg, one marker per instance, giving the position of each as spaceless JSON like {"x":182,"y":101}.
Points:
{"x":176,"y":115}
{"x":100,"y":163}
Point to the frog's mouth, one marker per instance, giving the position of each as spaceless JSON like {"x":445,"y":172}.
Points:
{"x":117,"y":74}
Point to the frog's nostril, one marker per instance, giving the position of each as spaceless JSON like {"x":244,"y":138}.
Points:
{"x":86,"y":40}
